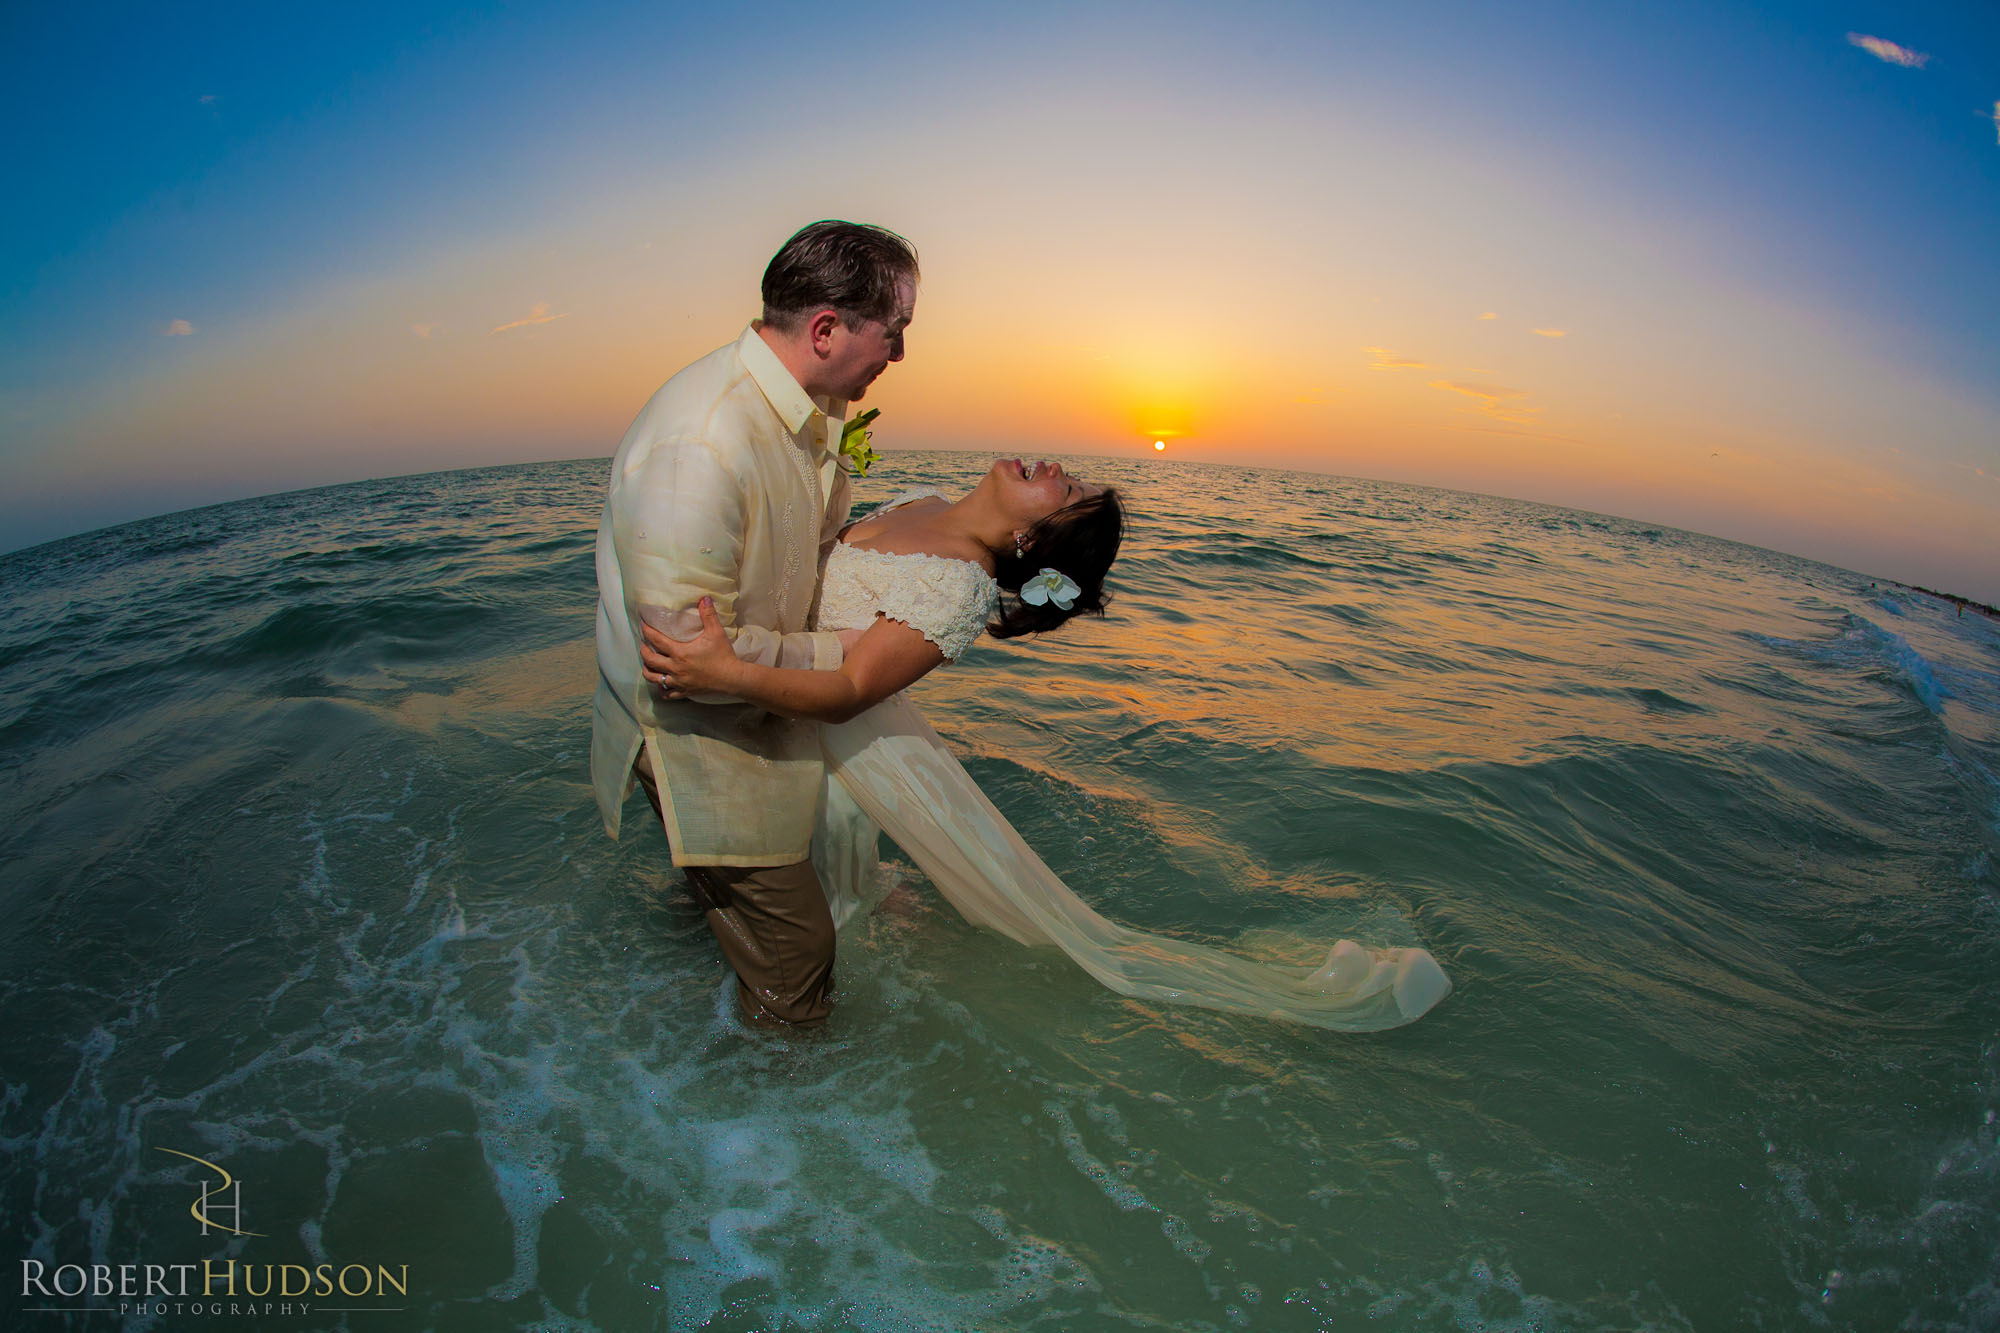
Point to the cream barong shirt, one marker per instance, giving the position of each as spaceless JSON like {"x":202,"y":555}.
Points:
{"x":723,"y":487}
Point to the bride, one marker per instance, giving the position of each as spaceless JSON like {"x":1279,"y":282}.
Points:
{"x":909,"y":587}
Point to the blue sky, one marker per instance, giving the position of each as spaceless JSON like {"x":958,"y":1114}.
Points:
{"x":1742,"y":222}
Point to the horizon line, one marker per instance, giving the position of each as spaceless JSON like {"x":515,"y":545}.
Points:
{"x":10,"y":553}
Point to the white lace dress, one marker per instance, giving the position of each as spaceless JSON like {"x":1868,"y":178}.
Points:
{"x":888,"y":768}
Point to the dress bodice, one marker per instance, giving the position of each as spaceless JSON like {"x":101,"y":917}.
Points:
{"x":945,"y":599}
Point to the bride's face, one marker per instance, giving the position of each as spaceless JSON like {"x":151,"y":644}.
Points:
{"x":1030,"y":492}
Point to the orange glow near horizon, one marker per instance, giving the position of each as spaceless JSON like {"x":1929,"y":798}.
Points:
{"x":361,"y":393}
{"x":1031,"y":342}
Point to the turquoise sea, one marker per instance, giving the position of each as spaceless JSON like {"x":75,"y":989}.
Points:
{"x":302,"y":878}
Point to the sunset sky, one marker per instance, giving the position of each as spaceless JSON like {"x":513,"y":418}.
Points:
{"x":1729,"y":267}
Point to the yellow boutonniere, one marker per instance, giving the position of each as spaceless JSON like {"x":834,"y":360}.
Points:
{"x":854,"y":442}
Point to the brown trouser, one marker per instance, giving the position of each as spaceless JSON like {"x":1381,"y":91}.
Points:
{"x":774,"y":928}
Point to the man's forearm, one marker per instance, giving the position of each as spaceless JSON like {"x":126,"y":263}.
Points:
{"x":811,"y":650}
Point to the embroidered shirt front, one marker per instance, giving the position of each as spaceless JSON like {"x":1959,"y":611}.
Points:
{"x":723,"y":487}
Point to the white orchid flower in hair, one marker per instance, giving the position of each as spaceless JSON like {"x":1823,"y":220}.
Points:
{"x":1050,"y":586}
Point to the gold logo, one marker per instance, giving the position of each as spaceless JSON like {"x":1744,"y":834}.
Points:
{"x":209,"y":1200}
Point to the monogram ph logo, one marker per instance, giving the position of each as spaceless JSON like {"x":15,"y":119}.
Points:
{"x":213,"y":1286}
{"x":225,"y":1197}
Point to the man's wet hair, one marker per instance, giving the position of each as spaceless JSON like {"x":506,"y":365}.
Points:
{"x":848,"y":267}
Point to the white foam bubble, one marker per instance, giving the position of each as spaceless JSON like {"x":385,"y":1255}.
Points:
{"x":1125,"y":1196}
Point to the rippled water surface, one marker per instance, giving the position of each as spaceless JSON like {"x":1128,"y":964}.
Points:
{"x":303,"y":878}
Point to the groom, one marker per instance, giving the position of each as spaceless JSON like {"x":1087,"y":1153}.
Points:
{"x":728,"y":486}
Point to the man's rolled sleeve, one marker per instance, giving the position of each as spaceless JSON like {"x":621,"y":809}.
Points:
{"x":682,"y":540}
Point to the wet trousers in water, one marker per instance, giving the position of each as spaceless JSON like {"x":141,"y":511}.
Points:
{"x":774,"y":927}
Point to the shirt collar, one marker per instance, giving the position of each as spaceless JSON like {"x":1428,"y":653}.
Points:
{"x":794,"y":406}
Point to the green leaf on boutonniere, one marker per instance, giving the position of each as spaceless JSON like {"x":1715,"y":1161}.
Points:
{"x":854,"y":442}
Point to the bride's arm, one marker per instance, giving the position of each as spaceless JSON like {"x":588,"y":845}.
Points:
{"x":886,"y":657}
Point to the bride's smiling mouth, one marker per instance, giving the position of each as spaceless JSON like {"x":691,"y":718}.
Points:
{"x":1025,"y":470}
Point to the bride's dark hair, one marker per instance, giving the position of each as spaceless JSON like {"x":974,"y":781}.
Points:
{"x":1080,"y":541}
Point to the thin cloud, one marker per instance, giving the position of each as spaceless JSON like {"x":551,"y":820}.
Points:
{"x":426,"y":330}
{"x":1517,"y":433}
{"x":206,"y":99}
{"x":538,"y":314}
{"x":178,"y":328}
{"x":1996,"y":120}
{"x":1490,"y":315}
{"x":1486,"y":391}
{"x":1495,"y":400}
{"x":1552,"y":333}
{"x":1883,"y":49}
{"x":1388,"y":360}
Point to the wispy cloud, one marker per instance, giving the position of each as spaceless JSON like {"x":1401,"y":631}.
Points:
{"x":1495,"y":400}
{"x":1517,"y":432}
{"x":426,"y":330}
{"x":1490,"y":315}
{"x":538,"y":314}
{"x":178,"y":328}
{"x":1487,"y":391}
{"x":1388,"y":360}
{"x":1552,"y":333}
{"x":1883,"y":49}
{"x":1996,"y":120}
{"x":206,"y":99}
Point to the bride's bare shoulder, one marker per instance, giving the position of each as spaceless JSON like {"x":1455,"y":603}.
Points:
{"x":912,"y":529}
{"x":918,"y":508}
{"x":890,"y":516}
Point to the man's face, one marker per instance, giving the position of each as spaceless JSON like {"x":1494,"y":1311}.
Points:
{"x":859,"y":355}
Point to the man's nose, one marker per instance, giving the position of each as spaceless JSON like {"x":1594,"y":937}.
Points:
{"x":896,"y":348}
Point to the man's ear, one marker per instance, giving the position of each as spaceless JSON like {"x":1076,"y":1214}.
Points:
{"x":819,"y":330}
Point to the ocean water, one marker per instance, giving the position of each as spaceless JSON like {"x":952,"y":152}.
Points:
{"x":302,"y":878}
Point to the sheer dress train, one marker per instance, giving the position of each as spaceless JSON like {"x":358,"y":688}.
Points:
{"x":887,"y":768}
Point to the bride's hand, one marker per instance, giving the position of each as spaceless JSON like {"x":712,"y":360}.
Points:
{"x":704,"y":664}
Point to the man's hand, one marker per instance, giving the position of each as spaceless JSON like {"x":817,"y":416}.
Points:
{"x":705,"y":664}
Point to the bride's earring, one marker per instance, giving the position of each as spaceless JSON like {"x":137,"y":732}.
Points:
{"x":1019,"y":549}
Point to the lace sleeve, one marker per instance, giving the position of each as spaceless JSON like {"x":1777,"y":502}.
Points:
{"x":947,"y":601}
